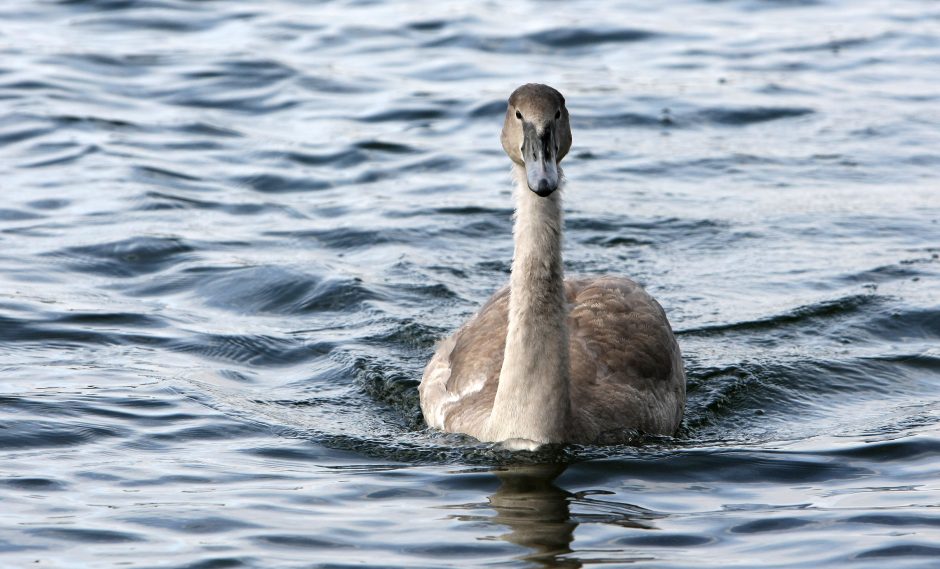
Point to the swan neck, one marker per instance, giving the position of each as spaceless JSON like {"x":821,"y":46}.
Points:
{"x":532,"y":401}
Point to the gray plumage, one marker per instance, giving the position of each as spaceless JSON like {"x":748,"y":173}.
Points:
{"x":544,"y":361}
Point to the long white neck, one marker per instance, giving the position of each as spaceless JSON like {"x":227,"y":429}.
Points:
{"x":532,"y":401}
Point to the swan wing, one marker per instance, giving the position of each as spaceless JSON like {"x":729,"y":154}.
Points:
{"x":459,"y":383}
{"x":626,"y":367}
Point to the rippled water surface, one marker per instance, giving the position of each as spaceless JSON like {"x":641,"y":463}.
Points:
{"x":232,"y":232}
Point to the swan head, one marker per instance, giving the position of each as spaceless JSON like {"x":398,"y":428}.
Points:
{"x":536,"y":135}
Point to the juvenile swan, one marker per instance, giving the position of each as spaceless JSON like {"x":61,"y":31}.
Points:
{"x":548,"y":360}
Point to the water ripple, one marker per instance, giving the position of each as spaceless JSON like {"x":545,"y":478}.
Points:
{"x":233,"y":235}
{"x":126,"y":258}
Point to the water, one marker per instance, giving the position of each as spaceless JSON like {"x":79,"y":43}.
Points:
{"x":233,"y":231}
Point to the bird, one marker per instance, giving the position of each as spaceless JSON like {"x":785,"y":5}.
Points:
{"x":548,"y":360}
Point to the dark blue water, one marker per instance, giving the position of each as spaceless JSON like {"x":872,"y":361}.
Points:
{"x":232,"y":232}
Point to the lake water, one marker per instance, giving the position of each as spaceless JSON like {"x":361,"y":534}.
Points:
{"x":232,"y":232}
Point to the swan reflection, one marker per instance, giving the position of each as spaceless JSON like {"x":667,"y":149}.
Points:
{"x":536,"y":511}
{"x":538,"y":515}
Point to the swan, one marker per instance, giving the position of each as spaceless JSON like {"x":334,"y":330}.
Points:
{"x":549,"y":360}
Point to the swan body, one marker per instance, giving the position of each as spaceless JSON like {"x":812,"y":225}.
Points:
{"x":547,"y":360}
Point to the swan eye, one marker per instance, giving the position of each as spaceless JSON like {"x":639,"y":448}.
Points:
{"x":518,"y":115}
{"x":557,"y":114}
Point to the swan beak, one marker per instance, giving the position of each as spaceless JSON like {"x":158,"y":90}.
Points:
{"x":538,"y":152}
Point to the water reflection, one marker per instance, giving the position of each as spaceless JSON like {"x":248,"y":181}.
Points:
{"x":538,"y":513}
{"x":235,"y":231}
